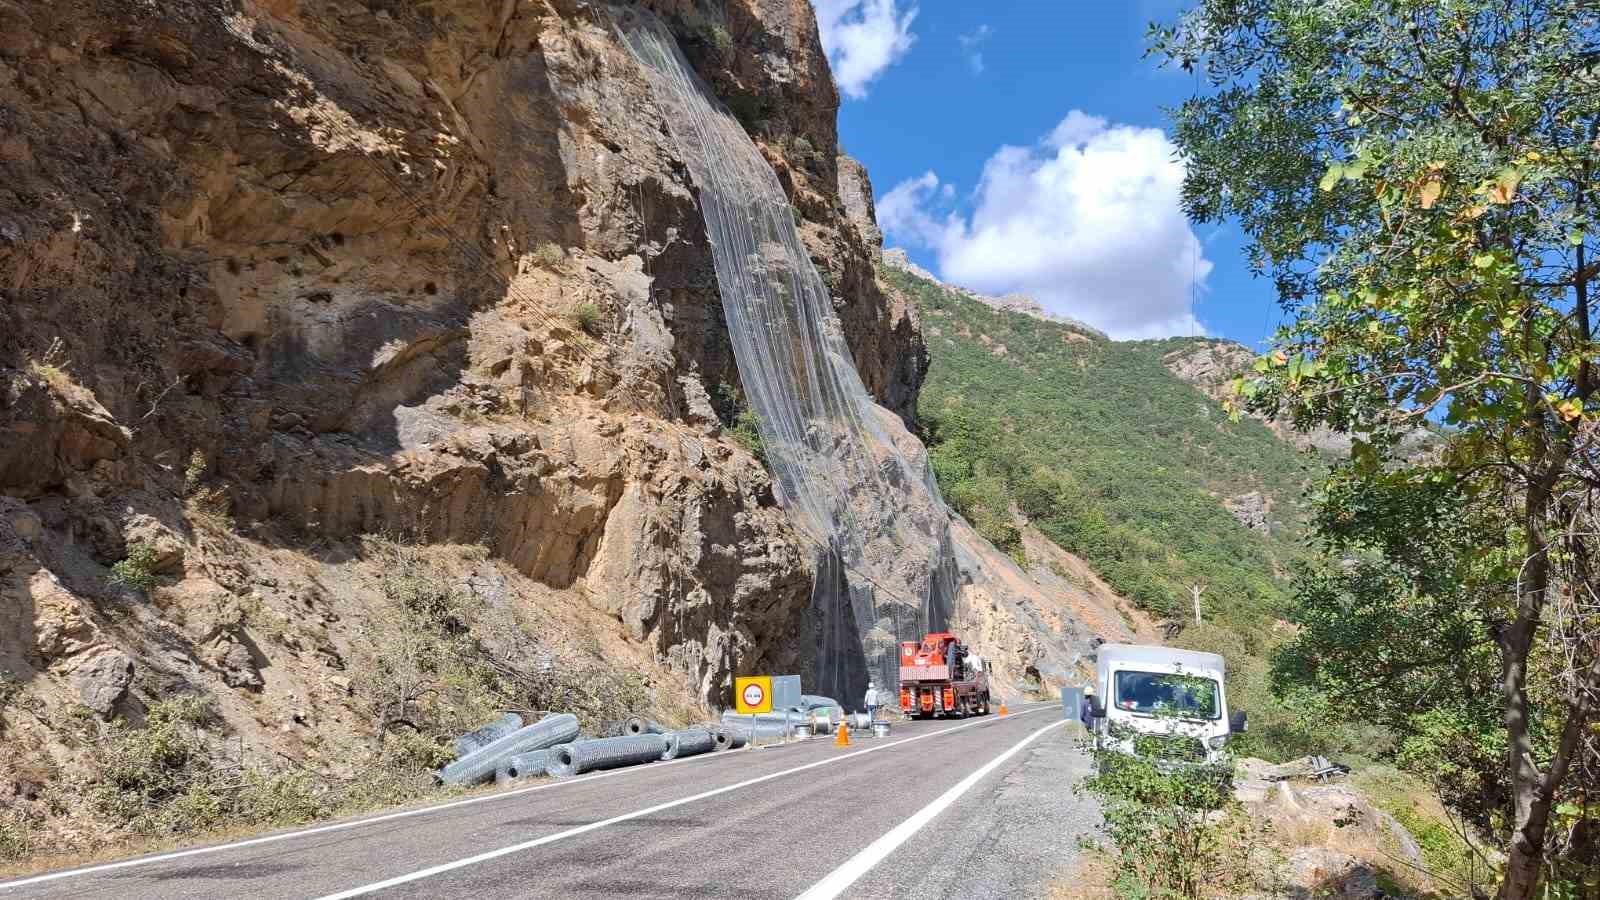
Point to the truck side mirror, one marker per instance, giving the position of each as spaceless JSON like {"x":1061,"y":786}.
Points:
{"x":1239,"y":722}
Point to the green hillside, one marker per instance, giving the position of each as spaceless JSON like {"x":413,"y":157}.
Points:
{"x":1121,"y":462}
{"x":1108,"y":453}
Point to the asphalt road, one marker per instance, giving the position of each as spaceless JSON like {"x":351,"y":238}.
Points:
{"x":976,"y":808}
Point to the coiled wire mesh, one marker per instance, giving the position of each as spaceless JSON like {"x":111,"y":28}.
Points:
{"x":689,"y":742}
{"x":480,"y":765}
{"x":641,"y":725}
{"x":522,"y":765}
{"x":729,"y":738}
{"x":488,"y":734}
{"x":578,"y":757}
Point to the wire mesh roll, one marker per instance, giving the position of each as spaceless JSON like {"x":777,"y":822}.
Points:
{"x":689,"y":742}
{"x":640,"y":725}
{"x":480,"y":765}
{"x":728,"y":738}
{"x":522,"y":765}
{"x":579,"y":757}
{"x":479,"y":738}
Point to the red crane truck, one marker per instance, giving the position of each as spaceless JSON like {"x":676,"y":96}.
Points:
{"x":940,"y":677}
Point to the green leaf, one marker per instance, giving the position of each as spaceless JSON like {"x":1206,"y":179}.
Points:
{"x":1575,"y":239}
{"x":1331,"y":177}
{"x":1483,"y":260}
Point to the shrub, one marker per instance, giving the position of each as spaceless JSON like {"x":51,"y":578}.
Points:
{"x":158,"y":779}
{"x":51,"y":368}
{"x":195,"y":472}
{"x":549,"y":255}
{"x":281,"y":798}
{"x":747,"y":434}
{"x":586,"y":316}
{"x":16,"y":839}
{"x":137,"y":569}
{"x":164,"y":778}
{"x":1173,"y":834}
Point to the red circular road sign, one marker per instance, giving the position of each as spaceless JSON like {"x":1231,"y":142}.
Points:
{"x":753,"y":695}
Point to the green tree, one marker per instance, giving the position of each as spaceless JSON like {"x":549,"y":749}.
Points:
{"x":1419,"y":179}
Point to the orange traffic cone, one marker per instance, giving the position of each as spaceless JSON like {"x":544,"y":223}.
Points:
{"x":843,"y":737}
{"x":1003,"y":709}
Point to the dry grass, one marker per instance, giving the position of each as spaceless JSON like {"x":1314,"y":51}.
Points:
{"x":130,"y":846}
{"x":1090,"y":879}
{"x":52,"y":368}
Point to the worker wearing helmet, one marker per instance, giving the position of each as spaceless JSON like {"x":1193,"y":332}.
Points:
{"x":871,"y":701}
{"x":1085,"y":711}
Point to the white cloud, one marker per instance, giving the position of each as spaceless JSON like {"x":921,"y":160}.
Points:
{"x":1088,"y":221}
{"x":970,"y":44}
{"x":863,"y":38}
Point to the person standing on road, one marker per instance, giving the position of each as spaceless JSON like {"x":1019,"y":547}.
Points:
{"x":871,"y":701}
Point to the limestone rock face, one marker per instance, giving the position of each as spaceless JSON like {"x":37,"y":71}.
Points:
{"x":102,"y":679}
{"x":1211,"y":366}
{"x":1251,"y":509}
{"x":436,"y":272}
{"x":855,"y":189}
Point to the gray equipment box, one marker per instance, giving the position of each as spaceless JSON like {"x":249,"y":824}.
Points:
{"x":785,"y":692}
{"x":1072,"y":704}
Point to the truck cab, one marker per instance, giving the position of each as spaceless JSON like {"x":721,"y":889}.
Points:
{"x":1161,"y":703}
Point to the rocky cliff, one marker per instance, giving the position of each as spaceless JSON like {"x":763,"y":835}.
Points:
{"x":1211,"y":366}
{"x":295,"y":291}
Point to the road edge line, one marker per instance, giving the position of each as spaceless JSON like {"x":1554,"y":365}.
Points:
{"x":835,"y":882}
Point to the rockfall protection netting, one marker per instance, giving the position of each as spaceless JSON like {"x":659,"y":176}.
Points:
{"x":885,"y":570}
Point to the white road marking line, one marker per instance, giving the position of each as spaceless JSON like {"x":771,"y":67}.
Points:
{"x":835,"y":882}
{"x":660,"y":807}
{"x":341,"y":826}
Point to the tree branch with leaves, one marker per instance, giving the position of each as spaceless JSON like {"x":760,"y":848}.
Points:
{"x":1417,"y":178}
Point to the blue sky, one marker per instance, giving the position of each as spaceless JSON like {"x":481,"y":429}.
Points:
{"x":1020,"y":146}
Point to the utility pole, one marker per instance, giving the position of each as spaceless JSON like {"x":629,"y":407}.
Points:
{"x":1196,"y":590}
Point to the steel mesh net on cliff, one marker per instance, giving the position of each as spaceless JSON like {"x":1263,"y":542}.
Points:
{"x":885,"y":569}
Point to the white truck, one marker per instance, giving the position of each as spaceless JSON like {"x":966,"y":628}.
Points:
{"x":1165,"y":704}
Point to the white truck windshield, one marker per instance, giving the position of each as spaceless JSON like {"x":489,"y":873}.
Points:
{"x":1163,"y":693}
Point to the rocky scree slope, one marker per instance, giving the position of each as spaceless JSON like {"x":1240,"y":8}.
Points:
{"x":322,"y":319}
